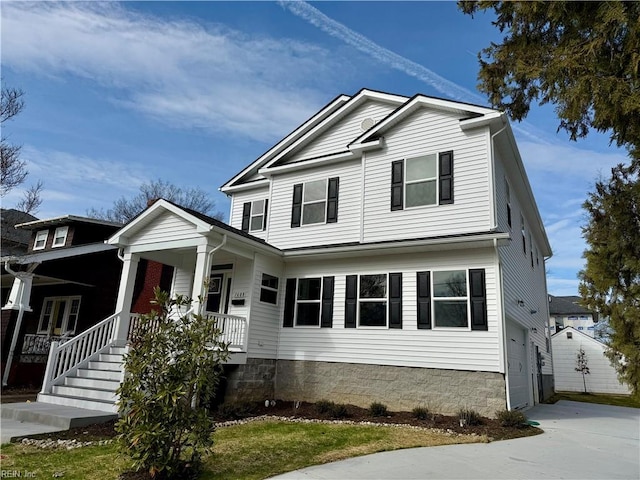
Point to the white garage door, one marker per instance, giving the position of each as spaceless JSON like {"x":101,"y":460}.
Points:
{"x":518,"y":368}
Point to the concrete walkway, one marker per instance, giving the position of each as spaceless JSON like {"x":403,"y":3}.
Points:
{"x":581,"y":441}
{"x":32,"y":418}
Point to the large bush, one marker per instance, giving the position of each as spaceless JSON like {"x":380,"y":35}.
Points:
{"x":172,"y":369}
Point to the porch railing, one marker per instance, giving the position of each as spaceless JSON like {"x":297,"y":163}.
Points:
{"x":234,"y":330}
{"x":39,"y":344}
{"x":66,"y":358}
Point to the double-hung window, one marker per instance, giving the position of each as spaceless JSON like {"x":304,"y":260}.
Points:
{"x":41,"y":240}
{"x":372,"y":300}
{"x":269,"y":289}
{"x":452,"y":299}
{"x":60,"y":237}
{"x":315,"y":202}
{"x":254,"y":215}
{"x":308,"y":302}
{"x":422,"y":180}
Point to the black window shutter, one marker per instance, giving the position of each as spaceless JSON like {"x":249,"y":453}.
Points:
{"x":327,"y":302}
{"x":424,"y":299}
{"x":264,"y":214}
{"x":296,"y":209}
{"x":478,"y":299}
{"x":246,"y":216}
{"x":395,"y":300}
{"x":397,"y":184}
{"x":446,"y":177}
{"x":289,"y":302}
{"x":332,"y":200}
{"x":351,"y":301}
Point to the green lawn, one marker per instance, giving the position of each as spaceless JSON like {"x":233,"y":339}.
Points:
{"x":603,"y":399}
{"x":252,"y":451}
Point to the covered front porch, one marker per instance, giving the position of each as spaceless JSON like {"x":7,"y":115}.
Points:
{"x":213,"y":264}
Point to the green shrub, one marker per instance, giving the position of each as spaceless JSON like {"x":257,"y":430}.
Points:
{"x":421,"y":413}
{"x":339,"y":410}
{"x":377,"y":409}
{"x":236,"y":410}
{"x":469,"y":417}
{"x":511,"y":418}
{"x":172,"y":370}
{"x":324,"y":406}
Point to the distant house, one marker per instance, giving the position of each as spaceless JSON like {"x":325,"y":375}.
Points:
{"x":65,"y":282}
{"x":567,"y":312}
{"x":388,"y":249}
{"x":602,"y":377}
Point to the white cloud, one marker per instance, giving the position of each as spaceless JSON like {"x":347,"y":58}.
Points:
{"x":178,"y":72}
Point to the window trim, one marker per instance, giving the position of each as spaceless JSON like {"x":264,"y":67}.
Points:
{"x":252,"y":215}
{"x":360,"y":300}
{"x":434,"y":325}
{"x":297,"y":301}
{"x":66,"y":315}
{"x":64,"y":229}
{"x":270,"y":289}
{"x":324,"y":201}
{"x":38,"y":235}
{"x":434,"y":179}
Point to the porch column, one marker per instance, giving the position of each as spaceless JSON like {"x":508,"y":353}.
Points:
{"x":201,"y":275}
{"x":125,"y":294}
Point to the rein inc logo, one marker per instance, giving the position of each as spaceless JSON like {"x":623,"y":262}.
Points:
{"x":17,"y":474}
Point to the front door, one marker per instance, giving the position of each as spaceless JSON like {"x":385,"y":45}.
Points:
{"x":218,"y":293}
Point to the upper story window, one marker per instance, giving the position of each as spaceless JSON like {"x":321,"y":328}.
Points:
{"x":508,"y":195}
{"x":254,"y":215}
{"x":422,"y":180}
{"x":309,"y":302}
{"x":524,"y":235}
{"x":269,"y":289}
{"x":41,"y":240}
{"x":452,"y":299}
{"x":315,"y":202}
{"x":60,"y":237}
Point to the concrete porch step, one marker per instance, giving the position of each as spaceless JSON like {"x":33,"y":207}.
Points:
{"x":87,"y":393}
{"x":110,"y":357}
{"x":79,"y":402}
{"x":117,"y":350}
{"x":59,"y":416}
{"x":112,"y":375}
{"x":92,"y":383}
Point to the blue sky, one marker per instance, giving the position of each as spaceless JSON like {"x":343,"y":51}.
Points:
{"x":191,"y":92}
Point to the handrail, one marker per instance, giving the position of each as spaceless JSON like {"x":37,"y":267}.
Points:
{"x":70,"y":355}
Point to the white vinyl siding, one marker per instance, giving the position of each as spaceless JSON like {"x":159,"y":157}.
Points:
{"x":346,"y":229}
{"x":409,"y":346}
{"x":239,"y":199}
{"x":182,"y":281}
{"x":167,"y":227}
{"x":425,"y":132}
{"x":520,"y":281}
{"x":337,"y":137}
{"x":265,"y":317}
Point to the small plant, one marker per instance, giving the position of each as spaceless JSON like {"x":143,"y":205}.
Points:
{"x":339,"y":410}
{"x":582,"y":366}
{"x":324,"y":406}
{"x":377,"y":409}
{"x":421,"y":413}
{"x":469,"y":417}
{"x":511,"y":418}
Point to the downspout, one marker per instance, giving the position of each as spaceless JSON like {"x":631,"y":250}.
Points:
{"x":494,"y":212}
{"x":16,"y":330}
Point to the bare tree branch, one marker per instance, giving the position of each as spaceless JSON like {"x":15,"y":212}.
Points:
{"x":32,"y":200}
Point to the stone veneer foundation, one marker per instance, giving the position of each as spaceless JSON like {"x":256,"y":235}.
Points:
{"x":399,"y":388}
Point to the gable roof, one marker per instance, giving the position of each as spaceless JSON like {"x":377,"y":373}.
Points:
{"x":567,"y":305}
{"x":583,"y":336}
{"x":331,"y":113}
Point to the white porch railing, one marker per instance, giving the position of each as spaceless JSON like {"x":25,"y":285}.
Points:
{"x":39,"y":344}
{"x":67,"y":358}
{"x":234,"y":330}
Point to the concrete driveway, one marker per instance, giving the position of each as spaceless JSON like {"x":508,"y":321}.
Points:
{"x":581,"y":441}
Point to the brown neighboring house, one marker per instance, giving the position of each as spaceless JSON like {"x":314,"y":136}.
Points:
{"x":66,"y":282}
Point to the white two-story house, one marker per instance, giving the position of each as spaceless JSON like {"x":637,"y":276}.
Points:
{"x":388,"y":249}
